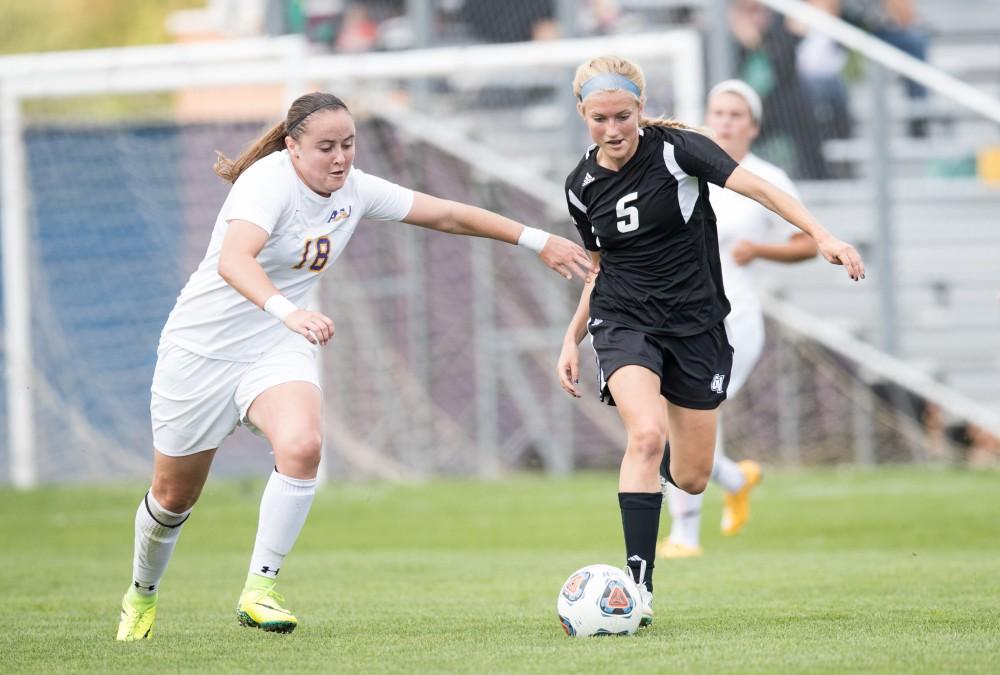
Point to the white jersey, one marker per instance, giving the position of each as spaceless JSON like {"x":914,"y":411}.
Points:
{"x":306,"y":234}
{"x":739,"y":219}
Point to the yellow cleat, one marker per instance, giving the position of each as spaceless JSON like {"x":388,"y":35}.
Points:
{"x":736,"y":506}
{"x":260,"y":606}
{"x":138,"y":613}
{"x":671,"y":550}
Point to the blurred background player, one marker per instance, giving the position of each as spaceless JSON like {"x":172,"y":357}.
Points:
{"x":747,"y":232}
{"x":222,"y":362}
{"x":639,"y":198}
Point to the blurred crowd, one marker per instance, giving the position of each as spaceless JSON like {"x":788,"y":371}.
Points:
{"x":803,"y":76}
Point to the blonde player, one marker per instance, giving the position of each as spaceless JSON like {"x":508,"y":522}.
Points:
{"x":747,"y":232}
{"x":240,"y":345}
{"x":640,"y":200}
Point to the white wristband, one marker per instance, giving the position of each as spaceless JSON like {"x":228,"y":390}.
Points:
{"x":279,"y":306}
{"x":533,"y":238}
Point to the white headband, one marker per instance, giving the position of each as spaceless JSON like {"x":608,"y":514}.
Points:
{"x":744,"y":91}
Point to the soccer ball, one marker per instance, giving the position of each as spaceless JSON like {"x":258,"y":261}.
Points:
{"x":599,"y":600}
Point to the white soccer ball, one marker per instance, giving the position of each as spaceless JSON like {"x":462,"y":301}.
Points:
{"x":599,"y":600}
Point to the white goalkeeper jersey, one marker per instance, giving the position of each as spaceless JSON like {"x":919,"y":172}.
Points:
{"x":306,"y":234}
{"x":740,"y":218}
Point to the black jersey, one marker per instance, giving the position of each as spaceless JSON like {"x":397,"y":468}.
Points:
{"x":656,"y":232}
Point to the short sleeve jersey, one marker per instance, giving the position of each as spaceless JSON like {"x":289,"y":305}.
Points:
{"x":306,"y":234}
{"x":655,"y":229}
{"x":742,"y":219}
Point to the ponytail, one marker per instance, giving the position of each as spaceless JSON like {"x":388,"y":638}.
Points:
{"x":229,"y":170}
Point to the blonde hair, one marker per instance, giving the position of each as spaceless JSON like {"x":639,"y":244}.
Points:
{"x":273,"y":139}
{"x":617,"y":65}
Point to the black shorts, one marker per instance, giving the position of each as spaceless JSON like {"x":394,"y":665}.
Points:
{"x":694,"y":370}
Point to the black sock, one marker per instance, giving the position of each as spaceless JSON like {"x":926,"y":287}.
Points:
{"x":640,"y":522}
{"x":665,"y":465}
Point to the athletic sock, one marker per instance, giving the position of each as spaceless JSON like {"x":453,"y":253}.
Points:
{"x":640,"y":523}
{"x":665,"y":465}
{"x":283,"y":510}
{"x":727,"y":473}
{"x":685,"y":515}
{"x":156,"y":534}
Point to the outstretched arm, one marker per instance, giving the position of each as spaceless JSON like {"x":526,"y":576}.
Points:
{"x":788,"y":207}
{"x":445,"y":215}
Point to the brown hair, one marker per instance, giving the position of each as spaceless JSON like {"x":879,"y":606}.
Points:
{"x":621,"y":66}
{"x":293,"y":125}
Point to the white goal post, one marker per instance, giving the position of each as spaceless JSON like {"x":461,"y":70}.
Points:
{"x":285,"y":62}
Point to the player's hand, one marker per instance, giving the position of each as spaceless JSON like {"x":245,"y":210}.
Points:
{"x":313,"y":326}
{"x":568,"y":368}
{"x":744,"y":252}
{"x":566,"y":258}
{"x":841,"y":253}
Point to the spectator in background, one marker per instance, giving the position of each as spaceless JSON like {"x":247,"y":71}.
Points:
{"x":895,"y":21}
{"x":511,"y":20}
{"x":766,"y":60}
{"x":820,"y":63}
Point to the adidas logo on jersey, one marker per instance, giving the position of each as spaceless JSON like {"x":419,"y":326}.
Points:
{"x":587,"y":180}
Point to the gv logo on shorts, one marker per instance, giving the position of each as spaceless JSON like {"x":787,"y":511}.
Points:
{"x":717,"y":383}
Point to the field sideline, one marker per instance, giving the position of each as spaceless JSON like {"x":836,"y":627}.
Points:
{"x":891,"y":570}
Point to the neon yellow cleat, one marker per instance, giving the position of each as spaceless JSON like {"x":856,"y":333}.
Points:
{"x":736,"y":506}
{"x":138,"y":613}
{"x":260,"y":607}
{"x":672,"y":550}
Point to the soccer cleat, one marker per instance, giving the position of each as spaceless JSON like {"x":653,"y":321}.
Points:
{"x":672,"y":549}
{"x":260,"y":607}
{"x":137,"y":615}
{"x":646,"y":611}
{"x":736,"y":505}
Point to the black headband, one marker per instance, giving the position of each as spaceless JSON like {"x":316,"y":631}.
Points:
{"x":290,"y":129}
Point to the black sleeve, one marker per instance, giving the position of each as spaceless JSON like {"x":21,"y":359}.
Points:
{"x":698,"y":155}
{"x":582,"y":225}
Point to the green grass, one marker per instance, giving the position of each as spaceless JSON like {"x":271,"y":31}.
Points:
{"x":895,"y":570}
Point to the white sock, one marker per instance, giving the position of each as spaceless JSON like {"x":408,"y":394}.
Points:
{"x":156,"y":534}
{"x":685,"y":515}
{"x":283,"y":511}
{"x":727,"y":473}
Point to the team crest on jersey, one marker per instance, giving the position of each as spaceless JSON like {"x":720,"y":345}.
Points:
{"x":616,"y":600}
{"x":717,"y":381}
{"x":339,"y":215}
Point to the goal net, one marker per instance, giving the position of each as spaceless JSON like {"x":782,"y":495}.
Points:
{"x":444,"y":357}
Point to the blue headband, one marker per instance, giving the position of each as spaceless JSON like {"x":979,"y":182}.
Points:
{"x":609,"y":81}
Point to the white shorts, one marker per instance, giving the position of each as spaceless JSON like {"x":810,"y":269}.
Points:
{"x":746,"y":335}
{"x":198,"y":401}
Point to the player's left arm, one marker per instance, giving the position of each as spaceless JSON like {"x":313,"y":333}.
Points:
{"x":791,"y":209}
{"x":452,"y":217}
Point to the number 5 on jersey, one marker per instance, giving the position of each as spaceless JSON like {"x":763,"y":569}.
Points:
{"x":321,"y":257}
{"x":629,"y":213}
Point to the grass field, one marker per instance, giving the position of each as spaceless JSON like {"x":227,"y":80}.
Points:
{"x":895,"y":570}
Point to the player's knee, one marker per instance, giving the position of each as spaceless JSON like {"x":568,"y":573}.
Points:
{"x":174,"y":497}
{"x":298,"y":453}
{"x":691,"y":479}
{"x":647,"y":442}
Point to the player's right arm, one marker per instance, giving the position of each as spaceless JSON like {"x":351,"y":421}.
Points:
{"x":568,"y":366}
{"x":239,"y":268}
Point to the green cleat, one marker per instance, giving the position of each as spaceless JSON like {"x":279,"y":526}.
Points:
{"x":260,"y":607}
{"x":138,"y":613}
